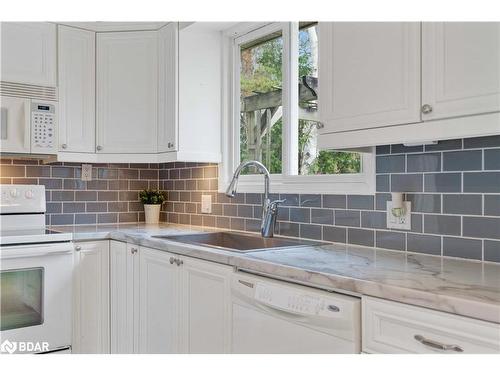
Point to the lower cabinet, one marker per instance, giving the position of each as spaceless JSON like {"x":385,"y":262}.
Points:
{"x":392,"y":327}
{"x":91,"y":298}
{"x":205,"y":306}
{"x":166,"y":303}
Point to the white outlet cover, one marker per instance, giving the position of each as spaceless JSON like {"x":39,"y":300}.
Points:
{"x":86,"y":172}
{"x":206,"y":204}
{"x":402,"y":222}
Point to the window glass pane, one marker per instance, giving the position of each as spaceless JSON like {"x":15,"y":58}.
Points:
{"x":312,"y":161}
{"x":261,"y":124}
{"x":21,"y":298}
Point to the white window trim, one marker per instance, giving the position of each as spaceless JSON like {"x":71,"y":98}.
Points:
{"x":355,"y":183}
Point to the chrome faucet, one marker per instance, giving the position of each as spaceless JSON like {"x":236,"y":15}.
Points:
{"x":269,"y":209}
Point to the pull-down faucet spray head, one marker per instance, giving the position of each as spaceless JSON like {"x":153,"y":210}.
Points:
{"x":231,"y":189}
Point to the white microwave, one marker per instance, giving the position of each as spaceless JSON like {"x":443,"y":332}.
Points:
{"x":28,"y":126}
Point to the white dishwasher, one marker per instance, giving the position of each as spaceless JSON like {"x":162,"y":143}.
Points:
{"x":270,"y":316}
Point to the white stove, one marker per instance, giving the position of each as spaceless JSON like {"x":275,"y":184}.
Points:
{"x":22,"y":216}
{"x":36,"y":270}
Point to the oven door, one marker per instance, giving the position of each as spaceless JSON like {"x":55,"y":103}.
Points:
{"x":35,"y":297}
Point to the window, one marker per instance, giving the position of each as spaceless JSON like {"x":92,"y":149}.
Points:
{"x":312,"y":161}
{"x":275,"y":115}
{"x":261,"y":120}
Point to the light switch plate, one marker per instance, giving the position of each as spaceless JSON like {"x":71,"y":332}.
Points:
{"x":206,"y":204}
{"x":402,"y":222}
{"x":86,"y":172}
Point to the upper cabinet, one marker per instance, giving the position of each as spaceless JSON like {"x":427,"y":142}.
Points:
{"x":460,"y":69}
{"x":140,"y":96}
{"x":28,"y":51}
{"x":369,"y":74}
{"x":76,"y":59}
{"x":168,"y":78}
{"x":371,"y":91}
{"x":190,"y":93}
{"x":127,"y":92}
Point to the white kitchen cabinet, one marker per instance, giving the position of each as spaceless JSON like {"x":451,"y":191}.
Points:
{"x":127,"y":92}
{"x":124,"y":278}
{"x":371,"y":91}
{"x":76,"y":59}
{"x":28,"y":51}
{"x":205,"y":307}
{"x":190,"y":93}
{"x":159,"y":312}
{"x":168,"y":78}
{"x":369,"y":74}
{"x":460,"y":69}
{"x":91,"y":298}
{"x":165,"y":303}
{"x":392,"y":327}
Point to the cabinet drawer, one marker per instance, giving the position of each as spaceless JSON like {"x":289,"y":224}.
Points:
{"x":391,"y":327}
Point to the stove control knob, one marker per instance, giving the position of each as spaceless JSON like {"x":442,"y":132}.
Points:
{"x":14,"y":193}
{"x":29,"y":194}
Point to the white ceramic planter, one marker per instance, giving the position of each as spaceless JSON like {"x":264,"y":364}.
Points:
{"x":152,"y":213}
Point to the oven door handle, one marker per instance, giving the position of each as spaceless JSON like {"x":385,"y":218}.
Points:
{"x":31,"y":251}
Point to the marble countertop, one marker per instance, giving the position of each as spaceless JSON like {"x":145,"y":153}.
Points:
{"x":457,"y":286}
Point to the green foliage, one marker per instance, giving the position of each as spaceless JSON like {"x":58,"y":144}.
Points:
{"x":148,"y":196}
{"x":262,"y":72}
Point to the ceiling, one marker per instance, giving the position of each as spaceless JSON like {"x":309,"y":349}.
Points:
{"x":103,"y":26}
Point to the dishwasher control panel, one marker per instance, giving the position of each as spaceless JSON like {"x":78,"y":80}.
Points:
{"x":294,"y":301}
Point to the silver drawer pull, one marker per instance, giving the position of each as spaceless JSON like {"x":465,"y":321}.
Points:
{"x":178,"y":262}
{"x":172,"y":260}
{"x":333,"y":308}
{"x":438,"y":345}
{"x":246,"y":283}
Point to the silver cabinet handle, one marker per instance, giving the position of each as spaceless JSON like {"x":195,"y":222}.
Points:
{"x":426,"y":108}
{"x":64,"y":146}
{"x":133,"y":250}
{"x":78,"y":248}
{"x":320,"y":125}
{"x":170,"y":145}
{"x":179,"y":262}
{"x":172,"y":260}
{"x":98,"y":148}
{"x":333,"y":308}
{"x":437,"y":345}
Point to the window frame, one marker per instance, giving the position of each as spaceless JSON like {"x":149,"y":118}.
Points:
{"x":288,"y":181}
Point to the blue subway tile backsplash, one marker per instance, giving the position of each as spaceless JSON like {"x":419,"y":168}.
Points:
{"x":454,"y":188}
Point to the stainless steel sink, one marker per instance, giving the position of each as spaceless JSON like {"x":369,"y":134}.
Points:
{"x":240,"y":242}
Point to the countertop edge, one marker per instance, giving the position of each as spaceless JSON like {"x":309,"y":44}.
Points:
{"x":343,"y":284}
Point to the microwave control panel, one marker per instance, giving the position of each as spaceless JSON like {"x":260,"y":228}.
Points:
{"x":43,"y":127}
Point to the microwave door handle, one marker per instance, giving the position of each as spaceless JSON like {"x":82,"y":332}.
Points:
{"x":27,"y":125}
{"x":3,"y":123}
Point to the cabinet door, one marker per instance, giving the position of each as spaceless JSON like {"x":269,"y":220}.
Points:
{"x":91,"y":298}
{"x":158,"y":302}
{"x":123,"y":287}
{"x":205,"y":311}
{"x":168,"y":41}
{"x":28,"y":51}
{"x":76,"y":57}
{"x":460,"y":68}
{"x":127,"y":87}
{"x":369,"y":74}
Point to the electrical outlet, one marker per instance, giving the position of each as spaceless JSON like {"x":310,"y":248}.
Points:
{"x":401,"y":222}
{"x":86,"y":172}
{"x":206,"y":204}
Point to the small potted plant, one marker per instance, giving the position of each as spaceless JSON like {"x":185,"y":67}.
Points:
{"x":152,"y":199}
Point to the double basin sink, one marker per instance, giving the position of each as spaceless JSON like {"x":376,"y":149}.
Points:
{"x":238,"y":242}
